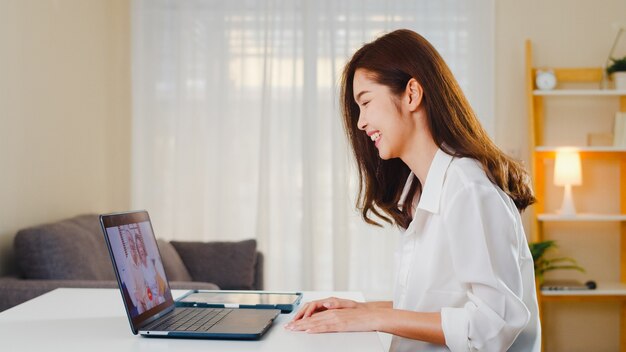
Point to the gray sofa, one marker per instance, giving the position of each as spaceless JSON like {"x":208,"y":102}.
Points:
{"x":72,"y":253}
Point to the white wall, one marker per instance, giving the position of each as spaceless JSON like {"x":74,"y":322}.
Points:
{"x":566,"y":33}
{"x":64,"y":111}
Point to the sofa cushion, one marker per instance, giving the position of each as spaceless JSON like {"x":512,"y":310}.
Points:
{"x":174,"y":267}
{"x":71,"y":249}
{"x":230,"y":265}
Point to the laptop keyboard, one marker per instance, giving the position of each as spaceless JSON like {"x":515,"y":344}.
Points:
{"x":191,"y":319}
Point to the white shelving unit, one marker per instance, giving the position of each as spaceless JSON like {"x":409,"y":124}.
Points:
{"x":542,"y":152}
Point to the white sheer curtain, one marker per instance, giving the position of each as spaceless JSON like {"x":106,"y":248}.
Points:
{"x":237,"y":134}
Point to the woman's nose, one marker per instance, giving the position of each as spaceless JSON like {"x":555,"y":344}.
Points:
{"x":361,"y":124}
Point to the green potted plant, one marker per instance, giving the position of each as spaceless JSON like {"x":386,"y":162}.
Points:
{"x":617,"y":71}
{"x":543,"y":264}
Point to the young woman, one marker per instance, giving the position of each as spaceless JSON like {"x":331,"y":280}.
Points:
{"x":464,"y":279}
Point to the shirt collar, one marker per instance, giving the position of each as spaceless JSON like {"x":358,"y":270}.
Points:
{"x":431,"y":191}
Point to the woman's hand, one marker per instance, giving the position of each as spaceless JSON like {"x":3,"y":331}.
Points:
{"x":313,"y":307}
{"x":332,"y":315}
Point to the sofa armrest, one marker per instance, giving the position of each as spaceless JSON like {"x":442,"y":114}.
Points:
{"x":14,"y":291}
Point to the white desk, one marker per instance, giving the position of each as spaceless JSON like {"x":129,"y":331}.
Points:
{"x":94,"y":320}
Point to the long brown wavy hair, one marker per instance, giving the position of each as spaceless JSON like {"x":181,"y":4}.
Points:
{"x":392,"y":60}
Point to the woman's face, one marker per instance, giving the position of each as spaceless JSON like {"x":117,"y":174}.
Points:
{"x":381,"y":116}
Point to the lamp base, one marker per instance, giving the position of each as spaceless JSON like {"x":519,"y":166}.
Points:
{"x":567,"y":208}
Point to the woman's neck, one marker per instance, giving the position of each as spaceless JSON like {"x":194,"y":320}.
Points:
{"x":420,"y":152}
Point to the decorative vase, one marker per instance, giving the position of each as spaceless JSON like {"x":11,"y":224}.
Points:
{"x":619,"y":78}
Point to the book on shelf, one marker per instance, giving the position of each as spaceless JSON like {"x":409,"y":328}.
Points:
{"x":599,"y":139}
{"x":619,"y":130}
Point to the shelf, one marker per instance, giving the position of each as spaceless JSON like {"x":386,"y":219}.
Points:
{"x":602,"y":149}
{"x":578,"y":92}
{"x":578,"y":84}
{"x":582,"y":217}
{"x":603,"y":291}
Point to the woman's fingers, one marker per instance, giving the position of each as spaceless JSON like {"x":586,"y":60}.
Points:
{"x":337,"y":303}
{"x":309,"y":310}
{"x":336,"y":320}
{"x":312,"y":308}
{"x":305,"y":324}
{"x":320,"y":305}
{"x":300,"y":313}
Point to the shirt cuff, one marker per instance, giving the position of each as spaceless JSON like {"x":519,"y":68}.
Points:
{"x":455,"y":325}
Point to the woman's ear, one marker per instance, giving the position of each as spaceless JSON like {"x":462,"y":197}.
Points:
{"x":414,"y":94}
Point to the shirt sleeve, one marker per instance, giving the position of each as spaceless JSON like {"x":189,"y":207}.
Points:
{"x":482,"y":234}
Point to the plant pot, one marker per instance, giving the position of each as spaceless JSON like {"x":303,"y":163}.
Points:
{"x":620,"y":80}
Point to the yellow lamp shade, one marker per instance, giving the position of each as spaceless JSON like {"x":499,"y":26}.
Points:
{"x":567,"y":169}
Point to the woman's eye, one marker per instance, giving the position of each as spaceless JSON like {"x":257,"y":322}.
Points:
{"x":365,"y":103}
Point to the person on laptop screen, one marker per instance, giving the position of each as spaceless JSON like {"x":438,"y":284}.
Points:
{"x":465,"y":277}
{"x":141,"y":276}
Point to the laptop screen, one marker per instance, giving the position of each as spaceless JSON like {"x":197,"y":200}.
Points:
{"x":138,"y":264}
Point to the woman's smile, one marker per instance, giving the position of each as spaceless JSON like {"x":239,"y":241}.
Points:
{"x":375,"y":138}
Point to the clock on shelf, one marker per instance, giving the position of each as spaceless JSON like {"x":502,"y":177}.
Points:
{"x":545,"y":79}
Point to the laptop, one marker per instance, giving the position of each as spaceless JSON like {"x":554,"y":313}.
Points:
{"x":150,"y":307}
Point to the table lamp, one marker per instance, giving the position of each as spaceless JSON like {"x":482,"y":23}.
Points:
{"x":567,"y":173}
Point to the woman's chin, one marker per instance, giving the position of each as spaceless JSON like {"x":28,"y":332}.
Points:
{"x":384,"y":156}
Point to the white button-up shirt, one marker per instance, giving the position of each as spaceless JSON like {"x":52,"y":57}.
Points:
{"x":465,"y":255}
